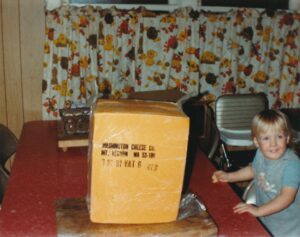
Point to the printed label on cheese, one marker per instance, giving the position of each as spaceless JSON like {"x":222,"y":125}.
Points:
{"x":123,"y":151}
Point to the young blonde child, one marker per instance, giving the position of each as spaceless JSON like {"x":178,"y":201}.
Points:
{"x":276,"y":173}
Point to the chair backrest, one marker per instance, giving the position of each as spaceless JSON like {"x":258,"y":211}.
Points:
{"x":8,"y":144}
{"x":3,"y":182}
{"x":237,"y":111}
{"x":249,"y":195}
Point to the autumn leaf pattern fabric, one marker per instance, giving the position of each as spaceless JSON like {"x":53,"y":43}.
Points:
{"x":90,"y":51}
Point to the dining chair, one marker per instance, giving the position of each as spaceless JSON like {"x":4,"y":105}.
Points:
{"x":3,"y":181}
{"x":215,"y":141}
{"x":249,"y":195}
{"x":8,"y":145}
{"x":233,"y":115}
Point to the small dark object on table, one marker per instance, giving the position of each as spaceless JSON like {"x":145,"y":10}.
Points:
{"x":75,"y":120}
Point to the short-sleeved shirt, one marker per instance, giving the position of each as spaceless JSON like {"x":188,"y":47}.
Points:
{"x":270,"y":177}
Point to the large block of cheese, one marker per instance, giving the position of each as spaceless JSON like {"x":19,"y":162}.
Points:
{"x":137,"y":157}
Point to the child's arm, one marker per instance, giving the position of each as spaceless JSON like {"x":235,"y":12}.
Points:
{"x":243,"y":174}
{"x":282,"y":201}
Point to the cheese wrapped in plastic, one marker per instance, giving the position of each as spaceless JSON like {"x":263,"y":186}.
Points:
{"x":137,"y":157}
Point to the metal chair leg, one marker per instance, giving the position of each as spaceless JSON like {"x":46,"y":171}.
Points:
{"x":228,"y":164}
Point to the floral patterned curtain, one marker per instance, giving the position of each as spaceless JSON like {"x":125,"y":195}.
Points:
{"x":90,"y":51}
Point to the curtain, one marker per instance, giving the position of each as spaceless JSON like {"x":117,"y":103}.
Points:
{"x":93,"y":52}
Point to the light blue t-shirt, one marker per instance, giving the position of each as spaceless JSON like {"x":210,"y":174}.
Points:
{"x":270,"y":177}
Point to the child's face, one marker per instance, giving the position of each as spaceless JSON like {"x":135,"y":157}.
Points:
{"x":272,"y":143}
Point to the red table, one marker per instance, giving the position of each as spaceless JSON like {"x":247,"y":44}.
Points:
{"x":43,"y":173}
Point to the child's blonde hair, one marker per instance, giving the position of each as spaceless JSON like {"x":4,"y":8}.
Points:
{"x":273,"y":119}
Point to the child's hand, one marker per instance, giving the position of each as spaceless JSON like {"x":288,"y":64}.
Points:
{"x":244,"y":207}
{"x":220,"y":176}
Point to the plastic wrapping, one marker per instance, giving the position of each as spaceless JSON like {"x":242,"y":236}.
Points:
{"x":190,"y":205}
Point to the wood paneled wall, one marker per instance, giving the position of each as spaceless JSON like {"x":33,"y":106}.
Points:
{"x":22,"y":25}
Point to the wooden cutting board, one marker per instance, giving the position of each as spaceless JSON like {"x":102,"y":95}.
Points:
{"x":73,"y":220}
